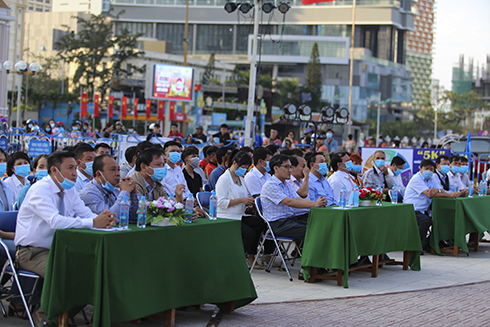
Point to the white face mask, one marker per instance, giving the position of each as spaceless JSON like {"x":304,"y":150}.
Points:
{"x":195,"y":162}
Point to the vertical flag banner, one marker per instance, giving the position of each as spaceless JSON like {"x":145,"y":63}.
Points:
{"x":148,"y":109}
{"x":160,"y":110}
{"x":172,"y":110}
{"x":124,"y":107}
{"x":135,"y":108}
{"x":83,"y":111}
{"x":96,"y":106}
{"x":111,"y":106}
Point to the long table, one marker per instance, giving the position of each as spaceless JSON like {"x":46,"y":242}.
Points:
{"x":453,"y":219}
{"x":335,"y":238}
{"x":131,"y":274}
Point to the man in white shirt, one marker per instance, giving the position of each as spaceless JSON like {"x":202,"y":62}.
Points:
{"x":465,"y":173}
{"x":440,"y":174}
{"x":52,"y":203}
{"x":172,"y":151}
{"x":455,"y":176}
{"x":256,"y":178}
{"x":85,"y":155}
{"x":341,"y":165}
{"x":395,"y":170}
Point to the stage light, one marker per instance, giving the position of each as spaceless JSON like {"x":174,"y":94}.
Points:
{"x":230,"y":7}
{"x":246,"y":7}
{"x":268,"y":7}
{"x":289,"y":109}
{"x":284,"y":7}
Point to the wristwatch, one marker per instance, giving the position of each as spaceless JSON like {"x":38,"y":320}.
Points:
{"x":440,"y":191}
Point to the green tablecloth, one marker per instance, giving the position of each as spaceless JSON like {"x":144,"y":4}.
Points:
{"x":454,"y":218}
{"x":335,"y":238}
{"x":131,"y":274}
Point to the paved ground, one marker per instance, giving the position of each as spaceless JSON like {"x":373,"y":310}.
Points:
{"x":447,"y":292}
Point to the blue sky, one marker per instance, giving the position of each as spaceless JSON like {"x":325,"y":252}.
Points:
{"x":462,"y":27}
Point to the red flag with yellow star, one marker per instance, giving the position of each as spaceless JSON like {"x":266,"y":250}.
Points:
{"x":124,"y":107}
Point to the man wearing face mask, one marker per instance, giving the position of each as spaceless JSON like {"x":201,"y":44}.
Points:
{"x":455,"y":176}
{"x":419,"y":192}
{"x":440,"y":174}
{"x":331,"y":143}
{"x":465,"y":178}
{"x":175,"y":176}
{"x":319,"y":186}
{"x":341,"y":165}
{"x":259,"y":174}
{"x":102,"y":193}
{"x":394,"y":170}
{"x":378,"y":175}
{"x":356,"y":171}
{"x":85,"y":155}
{"x":190,"y":157}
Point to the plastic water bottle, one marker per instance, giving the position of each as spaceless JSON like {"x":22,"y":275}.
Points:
{"x":355,"y":197}
{"x":213,"y":206}
{"x":141,"y":222}
{"x":124,"y":213}
{"x":483,"y":187}
{"x":394,"y":194}
{"x":189,"y":208}
{"x":343,"y":199}
{"x":456,"y":189}
{"x":380,"y":190}
{"x":470,"y":190}
{"x":171,"y":197}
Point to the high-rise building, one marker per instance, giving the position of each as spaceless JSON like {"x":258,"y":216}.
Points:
{"x":6,"y":21}
{"x":419,"y":50}
{"x":95,"y":7}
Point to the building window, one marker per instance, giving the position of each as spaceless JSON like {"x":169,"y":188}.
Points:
{"x":39,"y":9}
{"x":31,"y":8}
{"x":174,"y":33}
{"x":136,"y":28}
{"x":46,"y":9}
{"x":214,"y":38}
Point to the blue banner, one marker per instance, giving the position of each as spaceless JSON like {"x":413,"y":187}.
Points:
{"x":429,"y":154}
{"x":37,"y":148}
{"x":4,"y":144}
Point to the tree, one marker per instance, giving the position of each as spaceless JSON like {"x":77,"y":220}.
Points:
{"x":95,"y":44}
{"x":287,"y":91}
{"x":208,"y":70}
{"x":314,"y":77}
{"x":264,"y":80}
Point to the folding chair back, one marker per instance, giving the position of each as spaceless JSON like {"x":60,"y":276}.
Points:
{"x":207,"y":188}
{"x":8,"y":221}
{"x":203,"y":200}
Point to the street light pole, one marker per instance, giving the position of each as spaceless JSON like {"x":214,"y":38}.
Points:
{"x":19,"y":87}
{"x":377,"y":122}
{"x":435,"y":126}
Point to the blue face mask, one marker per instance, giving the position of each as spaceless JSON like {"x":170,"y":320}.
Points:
{"x":107,"y":186}
{"x":398,"y":172}
{"x":349,"y":165}
{"x":3,"y":168}
{"x":159,"y":173}
{"x":174,"y":157}
{"x":464,"y":169}
{"x":75,"y":128}
{"x":379,"y":163}
{"x":67,"y":184}
{"x":88,"y":168}
{"x":357,"y":168}
{"x":322,"y":168}
{"x":240,"y":171}
{"x":445,"y":169}
{"x":23,"y":170}
{"x":267,"y":168}
{"x":427,"y":174}
{"x":455,"y":169}
{"x":41,"y":173}
{"x":329,"y":135}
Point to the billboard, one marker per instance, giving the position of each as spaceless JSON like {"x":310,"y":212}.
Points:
{"x":173,"y":83}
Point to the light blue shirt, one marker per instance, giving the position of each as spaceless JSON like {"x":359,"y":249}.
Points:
{"x":214,"y":176}
{"x":273,"y":192}
{"x":414,"y":192}
{"x":332,"y":146}
{"x":321,"y":187}
{"x":98,"y":199}
{"x":9,"y":196}
{"x":82,"y":180}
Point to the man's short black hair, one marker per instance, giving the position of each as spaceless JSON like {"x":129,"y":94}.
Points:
{"x":69,"y":148}
{"x":427,"y":163}
{"x":102,"y":145}
{"x":223,"y":125}
{"x":221,"y":153}
{"x":335,"y":159}
{"x":298,"y":152}
{"x":260,"y":153}
{"x":189,"y":151}
{"x":439,"y":159}
{"x":169,"y":144}
{"x":142,"y":146}
{"x":205,"y":150}
{"x":147,"y":157}
{"x":287,"y":152}
{"x":273,"y":148}
{"x":130,"y":153}
{"x":55,"y":159}
{"x":277,"y":160}
{"x":212,"y":150}
{"x":464,"y":159}
{"x":454,"y":158}
{"x":98,"y":162}
{"x":398,"y":161}
{"x":311,"y":158}
{"x":11,"y":161}
{"x":174,"y":124}
{"x":81,"y":148}
{"x":294,"y":160}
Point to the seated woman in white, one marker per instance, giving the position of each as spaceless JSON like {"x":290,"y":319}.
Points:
{"x":234,"y":198}
{"x":18,"y":167}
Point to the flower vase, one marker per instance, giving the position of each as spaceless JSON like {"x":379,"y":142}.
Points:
{"x":366,"y":203}
{"x":163,"y":223}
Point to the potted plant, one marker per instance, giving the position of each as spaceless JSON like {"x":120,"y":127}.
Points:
{"x":368,"y":197}
{"x":165,"y":212}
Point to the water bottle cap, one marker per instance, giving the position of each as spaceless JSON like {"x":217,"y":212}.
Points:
{"x":343,"y":187}
{"x":191,"y":195}
{"x":143,"y":197}
{"x":171,"y":194}
{"x":125,"y":197}
{"x":213,"y":193}
{"x":394,"y":185}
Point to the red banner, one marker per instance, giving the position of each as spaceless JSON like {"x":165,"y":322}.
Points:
{"x":111,"y":106}
{"x":160,"y":110}
{"x":135,"y":108}
{"x":83,"y":110}
{"x":309,"y":2}
{"x":197,"y":87}
{"x":124,"y":107}
{"x":96,"y":106}
{"x":148,"y":109}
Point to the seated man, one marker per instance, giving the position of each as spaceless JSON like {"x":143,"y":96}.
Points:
{"x":258,"y":175}
{"x":279,"y":199}
{"x":190,"y":156}
{"x":299,"y":181}
{"x":440,"y":174}
{"x":130,"y":156}
{"x":465,"y":173}
{"x":212,"y":161}
{"x":319,"y":186}
{"x":394,"y":170}
{"x":85,"y":155}
{"x":102,"y":193}
{"x":102,"y":148}
{"x":140,"y":147}
{"x":52,"y":203}
{"x":174,"y":176}
{"x":455,"y":183}
{"x":419,"y":192}
{"x":378,"y":175}
{"x":341,"y":165}
{"x":218,"y":171}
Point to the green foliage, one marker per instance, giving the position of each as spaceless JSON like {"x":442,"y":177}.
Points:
{"x":208,"y":74}
{"x":287,"y":91}
{"x":314,"y":78}
{"x":264,"y":80}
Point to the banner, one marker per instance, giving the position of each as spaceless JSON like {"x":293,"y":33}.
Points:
{"x":148,"y":109}
{"x":111,"y":106}
{"x":83,"y":111}
{"x":96,"y":106}
{"x":38,"y":147}
{"x":309,"y":2}
{"x":160,"y":110}
{"x":124,"y":107}
{"x":135,"y":108}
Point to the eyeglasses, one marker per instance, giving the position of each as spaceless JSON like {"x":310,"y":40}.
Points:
{"x":289,"y":167}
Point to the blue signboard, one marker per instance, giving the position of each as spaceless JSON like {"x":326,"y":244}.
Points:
{"x":4,"y":144}
{"x":430,"y":154}
{"x":218,"y":118}
{"x":37,"y":147}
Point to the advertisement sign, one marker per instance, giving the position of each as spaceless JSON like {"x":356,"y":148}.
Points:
{"x":430,"y":154}
{"x":218,"y":118}
{"x":4,"y":144}
{"x":172,"y":83}
{"x":37,"y":148}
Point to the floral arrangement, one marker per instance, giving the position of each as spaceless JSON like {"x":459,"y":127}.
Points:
{"x":370,"y":195}
{"x":165,"y":212}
